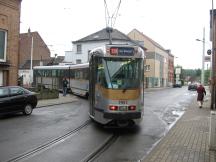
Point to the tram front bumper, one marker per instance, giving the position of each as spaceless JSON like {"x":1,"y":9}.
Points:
{"x":123,"y":116}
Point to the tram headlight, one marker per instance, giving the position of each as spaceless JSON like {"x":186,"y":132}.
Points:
{"x":113,"y":107}
{"x":132,"y":107}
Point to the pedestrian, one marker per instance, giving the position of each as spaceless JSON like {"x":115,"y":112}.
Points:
{"x":201,"y":92}
{"x":64,"y":86}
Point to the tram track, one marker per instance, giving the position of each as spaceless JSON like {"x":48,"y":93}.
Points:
{"x":100,"y":149}
{"x":49,"y":144}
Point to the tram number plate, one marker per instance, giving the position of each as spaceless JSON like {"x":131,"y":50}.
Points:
{"x":123,"y":108}
{"x":123,"y":102}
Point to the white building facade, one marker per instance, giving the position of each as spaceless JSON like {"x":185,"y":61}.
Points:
{"x":82,"y":47}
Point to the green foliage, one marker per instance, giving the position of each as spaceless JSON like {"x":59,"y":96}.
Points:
{"x":191,"y":72}
{"x":206,"y":76}
{"x":193,"y":75}
{"x":45,"y":93}
{"x":198,"y":72}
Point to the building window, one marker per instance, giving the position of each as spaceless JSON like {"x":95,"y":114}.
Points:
{"x":147,"y":67}
{"x":3,"y":39}
{"x":78,"y":61}
{"x":79,"y":48}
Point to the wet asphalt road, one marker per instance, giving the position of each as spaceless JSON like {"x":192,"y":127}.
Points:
{"x":20,"y":133}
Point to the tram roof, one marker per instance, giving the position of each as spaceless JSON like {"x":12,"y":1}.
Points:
{"x":76,"y":66}
{"x":85,"y":65}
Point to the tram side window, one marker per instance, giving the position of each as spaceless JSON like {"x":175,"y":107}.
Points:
{"x":85,"y":74}
{"x":66,"y":73}
{"x":61,"y":73}
{"x":45,"y":73}
{"x":77,"y":74}
{"x":72,"y":74}
{"x":81,"y":74}
{"x":58,"y":73}
{"x":54,"y":73}
{"x":42,"y":73}
{"x":38,"y":73}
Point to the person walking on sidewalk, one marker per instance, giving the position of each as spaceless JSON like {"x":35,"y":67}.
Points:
{"x":64,"y":86}
{"x":201,"y":92}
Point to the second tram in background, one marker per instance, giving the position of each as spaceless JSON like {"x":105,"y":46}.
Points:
{"x":116,"y":85}
{"x":50,"y":77}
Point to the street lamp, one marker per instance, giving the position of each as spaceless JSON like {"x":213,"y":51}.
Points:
{"x":30,"y":34}
{"x":203,"y":56}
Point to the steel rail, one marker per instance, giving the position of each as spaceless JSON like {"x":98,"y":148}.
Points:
{"x":99,"y":150}
{"x":49,"y":144}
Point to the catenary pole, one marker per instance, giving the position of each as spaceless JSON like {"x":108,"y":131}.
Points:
{"x":213,"y":59}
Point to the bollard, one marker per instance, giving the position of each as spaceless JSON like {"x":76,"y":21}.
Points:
{"x":212,"y":133}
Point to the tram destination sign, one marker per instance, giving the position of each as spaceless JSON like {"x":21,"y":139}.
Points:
{"x":122,"y":51}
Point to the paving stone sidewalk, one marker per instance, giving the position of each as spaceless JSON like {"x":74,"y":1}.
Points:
{"x":188,"y":140}
{"x":61,"y":100}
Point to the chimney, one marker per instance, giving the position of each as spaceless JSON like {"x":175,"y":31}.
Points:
{"x":168,"y":51}
{"x":29,"y":32}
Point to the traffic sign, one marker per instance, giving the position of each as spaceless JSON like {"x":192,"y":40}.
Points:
{"x":209,"y":52}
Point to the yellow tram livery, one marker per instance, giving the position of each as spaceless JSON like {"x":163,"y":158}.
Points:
{"x":116,"y":86}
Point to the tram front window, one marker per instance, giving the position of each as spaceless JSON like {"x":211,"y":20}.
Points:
{"x":121,"y":73}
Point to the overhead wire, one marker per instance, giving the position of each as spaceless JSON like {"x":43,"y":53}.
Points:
{"x":115,"y":14}
{"x":106,"y":14}
{"x":111,"y":20}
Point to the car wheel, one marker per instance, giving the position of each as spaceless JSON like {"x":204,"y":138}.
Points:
{"x":27,"y":109}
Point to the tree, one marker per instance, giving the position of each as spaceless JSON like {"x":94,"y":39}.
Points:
{"x":207,"y":76}
{"x":191,"y":75}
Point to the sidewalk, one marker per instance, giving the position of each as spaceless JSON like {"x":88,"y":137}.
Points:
{"x":61,"y":100}
{"x":188,"y":140}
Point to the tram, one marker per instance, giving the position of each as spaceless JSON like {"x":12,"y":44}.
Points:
{"x":51,"y":77}
{"x":116,"y":85}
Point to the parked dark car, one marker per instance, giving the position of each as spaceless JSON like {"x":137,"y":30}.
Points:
{"x":177,"y":85}
{"x":192,"y":87}
{"x":15,"y":99}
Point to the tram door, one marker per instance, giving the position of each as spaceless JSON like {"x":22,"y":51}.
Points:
{"x":92,"y":82}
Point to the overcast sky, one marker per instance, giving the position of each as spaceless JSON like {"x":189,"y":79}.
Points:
{"x":174,"y":24}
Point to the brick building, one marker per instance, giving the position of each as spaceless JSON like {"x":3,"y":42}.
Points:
{"x":9,"y":41}
{"x":39,"y":47}
{"x":31,"y":43}
{"x":170,"y":67}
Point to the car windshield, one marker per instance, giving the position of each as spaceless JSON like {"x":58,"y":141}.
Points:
{"x":121,"y":73}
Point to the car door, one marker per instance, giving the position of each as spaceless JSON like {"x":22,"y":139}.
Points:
{"x":4,"y":100}
{"x":17,"y":97}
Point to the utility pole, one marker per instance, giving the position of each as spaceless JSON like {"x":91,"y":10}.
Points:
{"x":30,"y":34}
{"x":213,"y":59}
{"x":203,"y":58}
{"x":31,"y":64}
